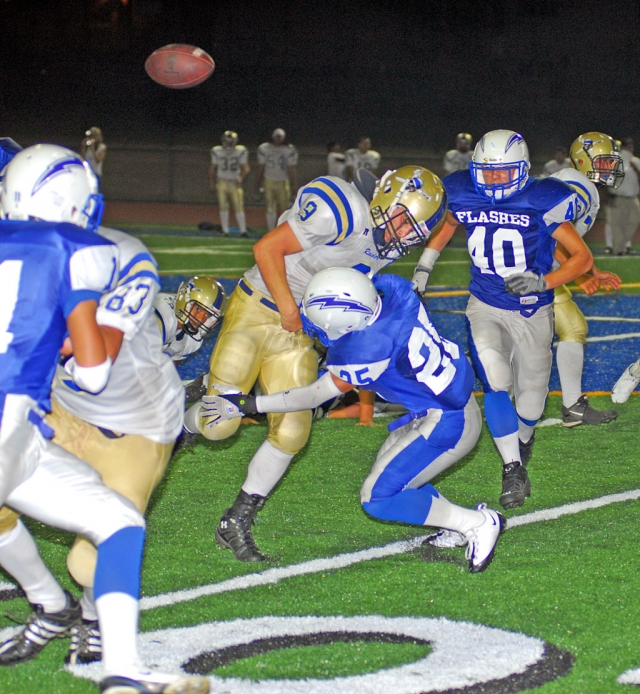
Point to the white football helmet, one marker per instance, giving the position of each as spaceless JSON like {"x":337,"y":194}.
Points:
{"x":338,"y":301}
{"x":500,"y":164}
{"x":53,"y":184}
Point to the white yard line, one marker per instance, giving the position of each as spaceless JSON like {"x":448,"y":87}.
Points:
{"x":341,"y":561}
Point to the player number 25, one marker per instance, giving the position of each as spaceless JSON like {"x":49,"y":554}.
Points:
{"x":501,"y":236}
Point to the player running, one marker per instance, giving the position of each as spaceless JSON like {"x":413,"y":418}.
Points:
{"x":379,"y":335}
{"x":513,"y":224}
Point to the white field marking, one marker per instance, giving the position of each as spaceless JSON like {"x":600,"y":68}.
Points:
{"x":217,"y":271}
{"x":200,"y":251}
{"x":549,"y":422}
{"x":341,"y":561}
{"x":616,"y":319}
{"x":6,"y":586}
{"x":440,"y":262}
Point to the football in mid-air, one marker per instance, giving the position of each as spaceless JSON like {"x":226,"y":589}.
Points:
{"x":179,"y":66}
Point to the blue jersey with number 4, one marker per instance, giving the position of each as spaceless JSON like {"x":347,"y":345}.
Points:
{"x":510,"y":236}
{"x":46,"y":269}
{"x":401,"y":355}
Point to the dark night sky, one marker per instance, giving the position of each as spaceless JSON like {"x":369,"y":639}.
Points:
{"x":407,"y":73}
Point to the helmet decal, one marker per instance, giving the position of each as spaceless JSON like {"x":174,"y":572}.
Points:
{"x":347,"y":305}
{"x":55,"y":169}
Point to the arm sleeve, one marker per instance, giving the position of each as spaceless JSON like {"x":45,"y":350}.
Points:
{"x":296,"y":399}
{"x":92,"y":271}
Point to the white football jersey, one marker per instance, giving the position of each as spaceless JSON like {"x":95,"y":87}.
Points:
{"x":552,"y":167}
{"x":454,"y":160}
{"x":229,"y":161}
{"x":336,"y":164}
{"x":370,"y":160}
{"x":144,"y":394}
{"x":587,"y":198}
{"x":276,"y":160}
{"x":176,"y":343}
{"x":331,"y":220}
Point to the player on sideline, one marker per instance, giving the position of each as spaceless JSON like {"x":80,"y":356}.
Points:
{"x":512,"y":225}
{"x":228,"y":169}
{"x":68,"y":268}
{"x":593,"y":162}
{"x":379,"y":335}
{"x":332,"y":223}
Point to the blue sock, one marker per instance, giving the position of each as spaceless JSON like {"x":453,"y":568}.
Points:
{"x":119,"y":562}
{"x":408,"y":506}
{"x":500,"y":414}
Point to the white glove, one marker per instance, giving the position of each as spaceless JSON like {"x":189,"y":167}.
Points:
{"x":216,"y":409}
{"x":525,"y":283}
{"x":420,"y":279}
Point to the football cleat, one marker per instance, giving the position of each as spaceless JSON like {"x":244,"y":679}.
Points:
{"x":515,"y":485}
{"x":526,"y":449}
{"x":196,"y":389}
{"x":40,"y":628}
{"x":86,"y":644}
{"x":234,"y":530}
{"x":627,"y":383}
{"x":581,"y":412}
{"x":446,"y":539}
{"x":482,"y":539}
{"x":154,"y":683}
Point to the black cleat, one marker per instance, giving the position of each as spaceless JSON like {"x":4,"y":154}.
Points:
{"x":581,"y":412}
{"x":526,"y":449}
{"x":234,"y":530}
{"x":195,"y":390}
{"x":515,"y":485}
{"x":86,"y":644}
{"x":185,"y":440}
{"x":40,"y":628}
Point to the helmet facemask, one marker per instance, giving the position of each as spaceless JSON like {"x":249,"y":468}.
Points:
{"x":197,"y":320}
{"x":517,"y":174}
{"x":396,"y":233}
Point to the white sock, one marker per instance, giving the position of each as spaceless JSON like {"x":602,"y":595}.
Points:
{"x":508,"y":447}
{"x":19,"y":556}
{"x":525,"y":431}
{"x":88,"y":604}
{"x":570,"y":360}
{"x":224,"y":220}
{"x":118,"y":616}
{"x":444,"y":514}
{"x":608,"y":236}
{"x":266,"y":469}
{"x":242,"y":222}
{"x":271,"y":220}
{"x":635,"y":369}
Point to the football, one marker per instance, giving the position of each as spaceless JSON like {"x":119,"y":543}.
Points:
{"x":179,"y":66}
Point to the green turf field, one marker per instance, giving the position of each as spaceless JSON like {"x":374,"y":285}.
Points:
{"x":558,"y":608}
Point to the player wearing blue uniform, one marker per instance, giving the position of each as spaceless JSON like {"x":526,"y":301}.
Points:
{"x":512,"y":225}
{"x":52,"y":275}
{"x":379,"y":335}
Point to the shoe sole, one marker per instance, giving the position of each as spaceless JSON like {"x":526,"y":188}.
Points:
{"x":225,"y":545}
{"x":481,"y":567}
{"x":515,"y":499}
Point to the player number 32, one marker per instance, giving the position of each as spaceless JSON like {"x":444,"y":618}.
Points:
{"x":501,"y":237}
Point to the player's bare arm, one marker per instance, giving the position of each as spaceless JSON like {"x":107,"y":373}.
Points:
{"x":438,"y":240}
{"x":579,"y":261}
{"x":244,"y":172}
{"x":85,"y":334}
{"x":269,"y":253}
{"x":112,"y":340}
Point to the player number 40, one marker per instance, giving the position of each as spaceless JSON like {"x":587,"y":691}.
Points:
{"x":500,"y":238}
{"x":9,"y":285}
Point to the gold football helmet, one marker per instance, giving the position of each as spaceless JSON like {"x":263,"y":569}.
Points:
{"x":596,"y":156}
{"x":229,"y":138}
{"x":408,"y":205}
{"x":200,"y":304}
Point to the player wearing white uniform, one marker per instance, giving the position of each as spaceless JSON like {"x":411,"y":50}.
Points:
{"x":361,"y":157}
{"x":458,"y":159}
{"x":594,"y":162}
{"x":330,"y":224}
{"x":277,"y":163}
{"x":228,"y":169}
{"x":558,"y":163}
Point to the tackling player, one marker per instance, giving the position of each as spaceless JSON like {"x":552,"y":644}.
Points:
{"x":512,"y":225}
{"x":277,"y":163}
{"x":332,"y":223}
{"x":379,"y":335}
{"x":228,"y":169}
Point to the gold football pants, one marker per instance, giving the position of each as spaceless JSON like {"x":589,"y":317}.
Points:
{"x":230,"y":190}
{"x":253,"y":345}
{"x":276,"y":195}
{"x":131,"y":465}
{"x":570,"y":323}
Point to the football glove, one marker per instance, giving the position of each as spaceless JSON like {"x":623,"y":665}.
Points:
{"x":220,"y":408}
{"x":524,"y":283}
{"x":420,"y":279}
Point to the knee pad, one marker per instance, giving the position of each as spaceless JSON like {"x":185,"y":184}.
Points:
{"x":289,"y":432}
{"x":570,"y":323}
{"x":8,"y":520}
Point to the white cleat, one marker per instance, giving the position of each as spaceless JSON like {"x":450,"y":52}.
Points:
{"x":154,"y":683}
{"x":483,"y":539}
{"x":446,"y":539}
{"x":627,"y":383}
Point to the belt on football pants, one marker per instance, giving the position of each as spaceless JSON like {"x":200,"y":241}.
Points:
{"x":405,"y":419}
{"x":263,"y":300}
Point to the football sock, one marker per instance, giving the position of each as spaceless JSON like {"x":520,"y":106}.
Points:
{"x":508,"y":447}
{"x":266,"y":469}
{"x":224,"y":220}
{"x":271,"y":220}
{"x":635,"y":369}
{"x":570,"y":360}
{"x":242,"y":222}
{"x":19,"y":557}
{"x":118,"y":619}
{"x":525,"y":430}
{"x":88,"y":604}
{"x":502,"y":421}
{"x":444,"y":514}
{"x":608,"y":238}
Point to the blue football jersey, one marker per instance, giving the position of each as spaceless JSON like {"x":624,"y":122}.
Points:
{"x":509,"y":236}
{"x":46,"y":269}
{"x":401,"y":355}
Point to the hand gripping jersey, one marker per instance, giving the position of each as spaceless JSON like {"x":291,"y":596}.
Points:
{"x":511,"y":235}
{"x":276,"y":160}
{"x":331,"y":220}
{"x":176,"y":343}
{"x":46,"y":270}
{"x":144,"y":394}
{"x":401,"y":355}
{"x":587,"y":198}
{"x":229,"y":161}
